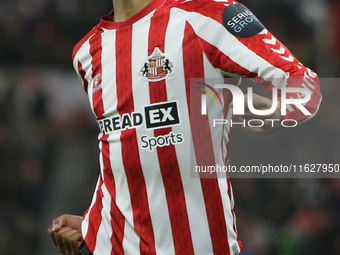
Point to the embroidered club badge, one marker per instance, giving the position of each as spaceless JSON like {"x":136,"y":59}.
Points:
{"x":157,"y":67}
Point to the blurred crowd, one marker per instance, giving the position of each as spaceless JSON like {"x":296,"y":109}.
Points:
{"x":43,"y":107}
{"x":45,"y":31}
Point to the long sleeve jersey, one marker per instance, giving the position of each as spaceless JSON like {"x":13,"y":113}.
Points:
{"x":138,"y":77}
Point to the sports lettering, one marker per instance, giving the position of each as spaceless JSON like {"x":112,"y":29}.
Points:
{"x":161,"y":141}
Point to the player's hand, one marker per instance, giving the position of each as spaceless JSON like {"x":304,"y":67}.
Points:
{"x":261,"y":103}
{"x":66,"y":234}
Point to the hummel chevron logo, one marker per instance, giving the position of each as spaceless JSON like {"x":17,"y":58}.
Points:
{"x":280,"y":51}
{"x":186,"y":1}
{"x":270,"y":41}
{"x":226,"y":2}
{"x":289,"y":58}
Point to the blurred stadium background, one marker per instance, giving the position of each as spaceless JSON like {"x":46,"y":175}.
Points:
{"x":48,"y":147}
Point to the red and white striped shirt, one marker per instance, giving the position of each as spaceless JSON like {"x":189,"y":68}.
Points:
{"x":137,"y":76}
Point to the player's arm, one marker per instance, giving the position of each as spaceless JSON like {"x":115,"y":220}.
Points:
{"x":280,"y":70}
{"x":277,"y":68}
{"x":236,"y":43}
{"x":65,"y":233}
{"x":272,"y":64}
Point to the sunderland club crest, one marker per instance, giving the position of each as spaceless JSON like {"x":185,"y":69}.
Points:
{"x":157,"y":67}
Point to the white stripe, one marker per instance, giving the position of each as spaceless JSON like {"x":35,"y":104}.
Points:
{"x":110,"y":101}
{"x":87,"y":65}
{"x":176,"y":90}
{"x":215,"y":111}
{"x":226,"y":134}
{"x":308,"y":83}
{"x":219,"y":135}
{"x":149,"y":160}
{"x":304,"y":85}
{"x":216,"y":34}
{"x":85,"y":222}
{"x":131,"y":239}
{"x":103,"y":241}
{"x":123,"y":198}
{"x":109,"y":90}
{"x":227,"y":207}
{"x":84,"y":48}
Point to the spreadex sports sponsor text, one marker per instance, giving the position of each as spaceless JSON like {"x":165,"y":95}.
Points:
{"x":161,"y":140}
{"x":154,"y":116}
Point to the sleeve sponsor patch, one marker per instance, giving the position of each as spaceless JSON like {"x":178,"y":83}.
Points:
{"x":241,"y":22}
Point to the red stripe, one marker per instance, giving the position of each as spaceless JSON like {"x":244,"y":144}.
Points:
{"x":191,"y":70}
{"x":130,"y":153}
{"x":117,"y":218}
{"x":223,"y":62}
{"x":82,"y":75}
{"x":94,"y":219}
{"x":203,"y":146}
{"x":227,"y":99}
{"x":215,"y":214}
{"x":211,"y":9}
{"x":228,"y":147}
{"x":258,"y":46}
{"x":96,"y":54}
{"x":167,"y":155}
{"x":205,"y":157}
{"x":233,"y":214}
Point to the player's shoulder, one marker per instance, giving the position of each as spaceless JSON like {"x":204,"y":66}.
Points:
{"x":78,"y":46}
{"x":209,"y":8}
{"x":201,"y":5}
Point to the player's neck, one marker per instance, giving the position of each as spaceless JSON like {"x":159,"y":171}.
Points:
{"x":125,"y":9}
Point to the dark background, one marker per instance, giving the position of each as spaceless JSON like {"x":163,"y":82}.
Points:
{"x":48,"y":147}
